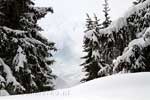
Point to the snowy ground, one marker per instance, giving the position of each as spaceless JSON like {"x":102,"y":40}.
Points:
{"x":116,"y":87}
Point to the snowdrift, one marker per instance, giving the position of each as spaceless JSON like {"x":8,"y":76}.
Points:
{"x":116,"y":87}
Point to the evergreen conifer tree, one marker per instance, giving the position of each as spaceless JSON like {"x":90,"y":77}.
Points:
{"x":124,"y":45}
{"x":24,"y":52}
{"x":92,"y":59}
{"x":119,"y":39}
{"x":135,"y":57}
{"x":89,"y":23}
{"x":106,"y":10}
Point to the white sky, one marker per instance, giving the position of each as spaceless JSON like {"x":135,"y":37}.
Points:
{"x":66,"y":27}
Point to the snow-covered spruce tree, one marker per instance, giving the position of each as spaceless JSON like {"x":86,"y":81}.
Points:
{"x":136,"y":57}
{"x":91,"y":48}
{"x":117,"y":36}
{"x":89,"y":23}
{"x":106,"y":10}
{"x":24,"y":52}
{"x":120,"y":33}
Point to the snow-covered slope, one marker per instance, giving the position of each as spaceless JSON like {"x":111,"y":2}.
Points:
{"x":116,"y":87}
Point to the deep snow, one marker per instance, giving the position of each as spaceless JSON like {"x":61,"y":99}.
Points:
{"x":117,"y":87}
